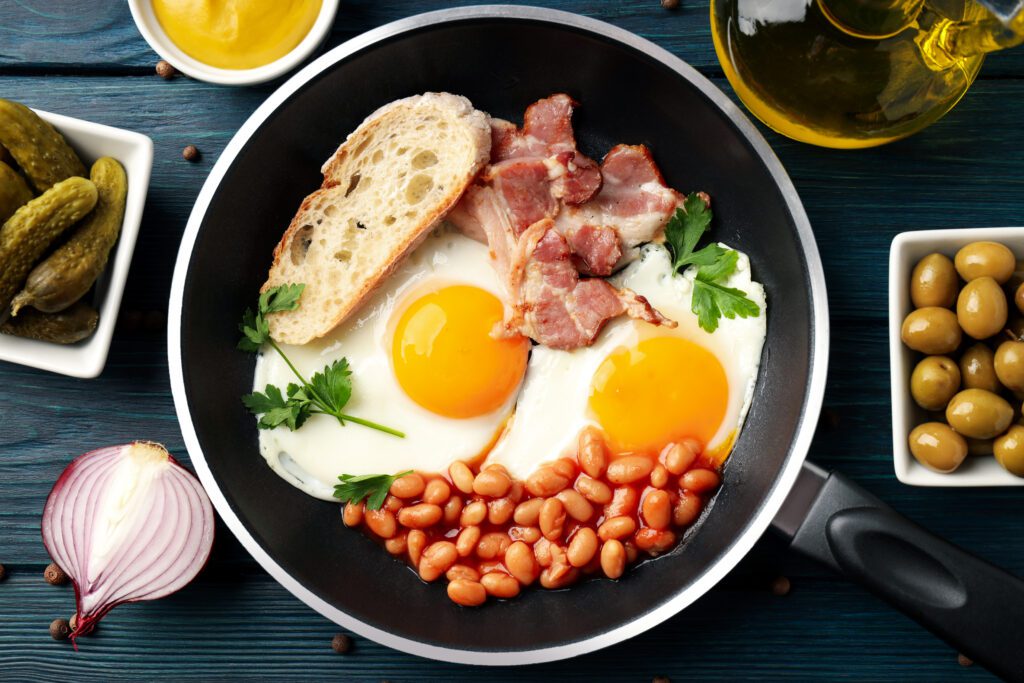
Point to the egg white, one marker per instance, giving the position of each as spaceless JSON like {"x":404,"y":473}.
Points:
{"x":312,"y":457}
{"x":553,"y":404}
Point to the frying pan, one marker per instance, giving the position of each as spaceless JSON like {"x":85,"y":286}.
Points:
{"x":504,"y":58}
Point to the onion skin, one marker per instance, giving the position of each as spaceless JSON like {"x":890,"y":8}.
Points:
{"x":126,"y":523}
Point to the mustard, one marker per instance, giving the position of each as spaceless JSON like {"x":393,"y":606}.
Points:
{"x":236,"y":34}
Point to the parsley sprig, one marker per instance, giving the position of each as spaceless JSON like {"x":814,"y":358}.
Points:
{"x":711,"y":298}
{"x":326,"y":393}
{"x":373,"y":487}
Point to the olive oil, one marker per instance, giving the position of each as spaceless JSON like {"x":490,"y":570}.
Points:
{"x":854,"y":73}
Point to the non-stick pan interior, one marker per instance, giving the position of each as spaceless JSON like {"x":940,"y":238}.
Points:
{"x":502,"y":65}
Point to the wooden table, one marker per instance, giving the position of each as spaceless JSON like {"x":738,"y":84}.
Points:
{"x":235,"y":622}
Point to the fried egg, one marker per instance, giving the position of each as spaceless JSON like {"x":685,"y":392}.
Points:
{"x":423,"y":361}
{"x":644,"y":386}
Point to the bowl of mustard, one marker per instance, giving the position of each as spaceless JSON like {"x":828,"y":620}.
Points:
{"x":234,"y":42}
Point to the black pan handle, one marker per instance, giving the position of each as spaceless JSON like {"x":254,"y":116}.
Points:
{"x":971,"y":604}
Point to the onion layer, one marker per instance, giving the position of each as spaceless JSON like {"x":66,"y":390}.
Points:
{"x":126,"y":523}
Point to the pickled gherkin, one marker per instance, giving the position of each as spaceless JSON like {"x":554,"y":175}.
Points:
{"x":14,"y":193}
{"x":39,"y":149}
{"x":68,"y":273}
{"x":33,"y":227}
{"x":67,"y":327}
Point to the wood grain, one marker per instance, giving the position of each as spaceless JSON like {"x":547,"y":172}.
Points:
{"x":237,"y":623}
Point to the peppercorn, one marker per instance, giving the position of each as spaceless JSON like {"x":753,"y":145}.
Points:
{"x":191,"y":153}
{"x":670,"y":4}
{"x":165,"y":70}
{"x":780,"y":586}
{"x":54,"y":575}
{"x":59,"y":629}
{"x":341,"y":643}
{"x":964,"y":660}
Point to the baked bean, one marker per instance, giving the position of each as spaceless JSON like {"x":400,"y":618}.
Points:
{"x":629,"y":468}
{"x":542,"y":552}
{"x":409,"y":486}
{"x":500,"y":585}
{"x":416,"y":542}
{"x":452,"y":510}
{"x":492,"y":545}
{"x":624,"y":502}
{"x":515,"y":492}
{"x":528,"y":512}
{"x":421,"y":516}
{"x":467,"y":593}
{"x":437,"y":492}
{"x":392,"y":503}
{"x":594,"y":490}
{"x":699,"y":481}
{"x":461,"y":476}
{"x":582,"y":547}
{"x":437,"y":558}
{"x":462,"y":571}
{"x":397,"y":544}
{"x":552,"y":579}
{"x":678,"y":457}
{"x":687,"y":509}
{"x":593,"y":453}
{"x":500,"y":511}
{"x":492,"y":483}
{"x":467,"y":539}
{"x":613,"y":559}
{"x":353,"y":514}
{"x":631,"y":552}
{"x":521,"y":563}
{"x":381,"y":522}
{"x":565,"y":467}
{"x":488,"y":566}
{"x":657,"y":509}
{"x":575,"y":505}
{"x":552,"y":519}
{"x":528,"y":534}
{"x":659,"y":476}
{"x":655,"y":541}
{"x":545,"y":481}
{"x":559,"y":560}
{"x":616,"y":527}
{"x":473,"y":514}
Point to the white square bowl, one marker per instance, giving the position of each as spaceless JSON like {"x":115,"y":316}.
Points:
{"x":135,"y":152}
{"x":907,"y":249}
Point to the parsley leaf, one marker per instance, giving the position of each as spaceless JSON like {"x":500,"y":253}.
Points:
{"x":711,"y":298}
{"x":327,"y":393}
{"x":373,"y":487}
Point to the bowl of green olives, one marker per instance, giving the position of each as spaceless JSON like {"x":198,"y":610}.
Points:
{"x":956,"y":350}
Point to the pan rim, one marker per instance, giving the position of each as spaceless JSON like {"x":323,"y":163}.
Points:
{"x":772,"y":501}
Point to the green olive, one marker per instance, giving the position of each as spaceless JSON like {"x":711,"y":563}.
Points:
{"x":937,"y":447}
{"x":979,"y":446}
{"x":1009,"y":450}
{"x":934,"y":381}
{"x":931,"y":330}
{"x":981,"y":308}
{"x":1018,"y":297}
{"x":978,"y":369}
{"x":985,"y":259}
{"x":934,"y":282}
{"x":979,"y":414}
{"x":1009,"y":364}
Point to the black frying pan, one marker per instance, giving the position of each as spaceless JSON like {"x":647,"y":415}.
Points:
{"x":504,"y":58}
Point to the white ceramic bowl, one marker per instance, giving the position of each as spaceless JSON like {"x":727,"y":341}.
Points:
{"x":149,"y":27}
{"x":907,"y":249}
{"x":135,"y":152}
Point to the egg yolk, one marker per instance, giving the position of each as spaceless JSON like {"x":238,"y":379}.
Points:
{"x":446,"y":359}
{"x":662,"y":390}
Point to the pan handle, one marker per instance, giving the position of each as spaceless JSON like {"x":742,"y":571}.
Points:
{"x":971,"y":604}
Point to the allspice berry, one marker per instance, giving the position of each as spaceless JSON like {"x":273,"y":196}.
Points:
{"x":165,"y":70}
{"x":54,"y":575}
{"x":964,"y":660}
{"x":780,"y":586}
{"x":670,"y":4}
{"x":59,"y":629}
{"x":341,"y":643}
{"x":661,"y":679}
{"x":73,"y":621}
{"x":3,"y":572}
{"x":191,"y":153}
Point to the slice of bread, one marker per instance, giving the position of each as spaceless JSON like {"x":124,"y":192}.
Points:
{"x":391,"y":181}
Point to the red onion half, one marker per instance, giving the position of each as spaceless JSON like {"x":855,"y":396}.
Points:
{"x":126,"y":523}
